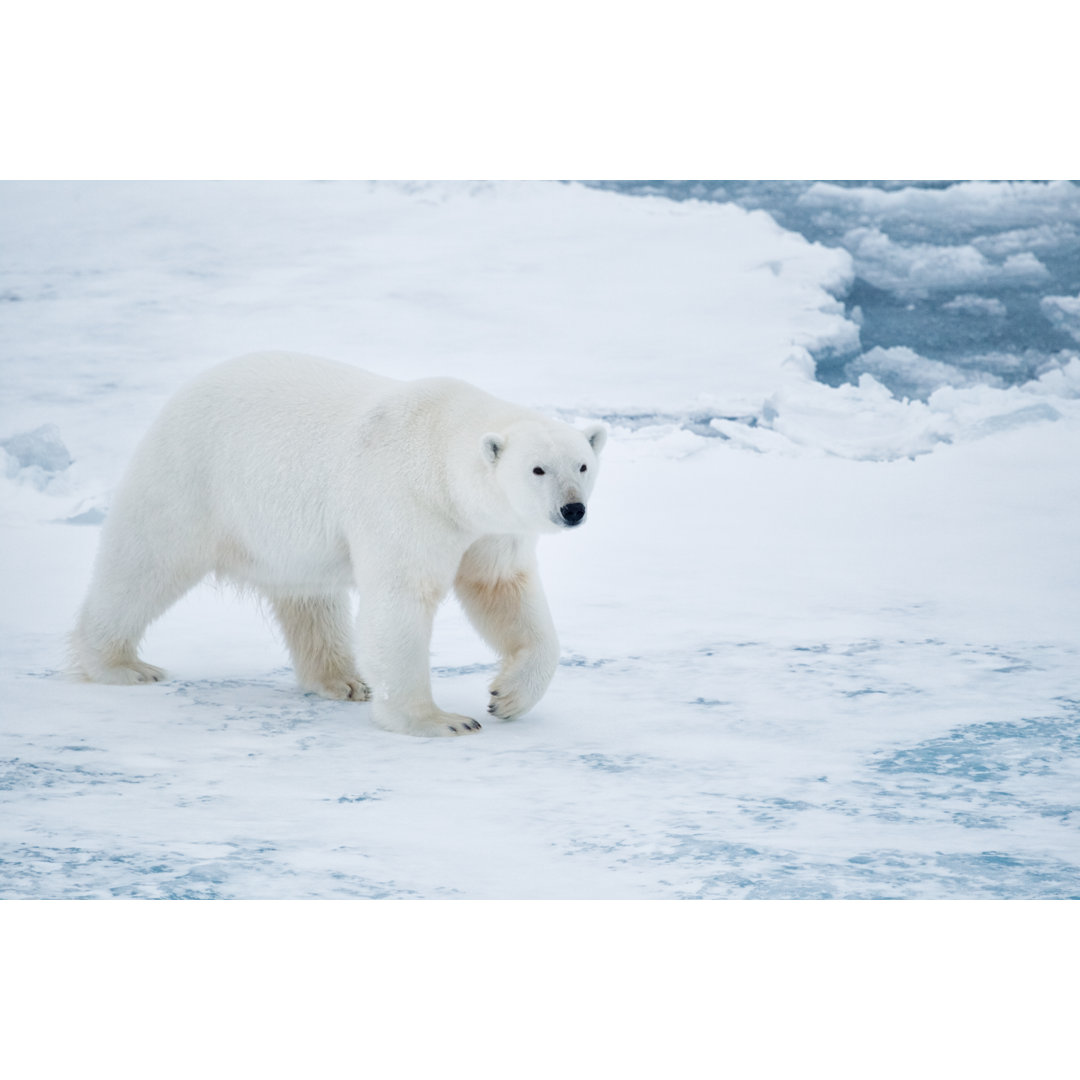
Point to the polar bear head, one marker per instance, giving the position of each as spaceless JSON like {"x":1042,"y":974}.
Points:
{"x":546,"y":470}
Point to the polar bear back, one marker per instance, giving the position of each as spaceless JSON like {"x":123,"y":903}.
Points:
{"x":272,"y":459}
{"x":262,"y":430}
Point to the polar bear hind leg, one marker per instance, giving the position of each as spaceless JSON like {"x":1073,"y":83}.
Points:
{"x":132,"y":586}
{"x":317,"y":632}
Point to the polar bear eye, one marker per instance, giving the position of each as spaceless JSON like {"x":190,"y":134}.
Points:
{"x":538,"y":471}
{"x":583,"y":468}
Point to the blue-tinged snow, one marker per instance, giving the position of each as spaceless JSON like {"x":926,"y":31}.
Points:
{"x":818,"y":641}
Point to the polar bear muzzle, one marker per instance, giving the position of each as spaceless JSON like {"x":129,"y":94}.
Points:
{"x":572,"y":513}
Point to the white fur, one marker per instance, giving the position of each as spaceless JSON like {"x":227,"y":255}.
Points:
{"x":304,"y":478}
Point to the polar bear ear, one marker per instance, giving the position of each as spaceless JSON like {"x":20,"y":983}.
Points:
{"x":492,"y":446}
{"x":597,"y":436}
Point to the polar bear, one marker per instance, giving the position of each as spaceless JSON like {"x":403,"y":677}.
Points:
{"x":306,"y":478}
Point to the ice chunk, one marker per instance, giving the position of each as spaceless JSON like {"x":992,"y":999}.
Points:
{"x":41,"y":447}
{"x":909,"y":375}
{"x":979,"y":412}
{"x":965,"y":208}
{"x":970,"y":304}
{"x":915,"y":270}
{"x":1062,"y":382}
{"x":1028,"y":414}
{"x":1063,"y":312}
{"x":1038,"y":238}
{"x":94,"y":516}
{"x":34,"y":458}
{"x":864,"y":422}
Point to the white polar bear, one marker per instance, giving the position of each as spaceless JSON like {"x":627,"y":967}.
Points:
{"x":304,"y":478}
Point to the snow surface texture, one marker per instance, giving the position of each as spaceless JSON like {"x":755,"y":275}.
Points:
{"x":817,"y":641}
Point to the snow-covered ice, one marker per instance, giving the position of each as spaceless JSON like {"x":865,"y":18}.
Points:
{"x":818,"y":641}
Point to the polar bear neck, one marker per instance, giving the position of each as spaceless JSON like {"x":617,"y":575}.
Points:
{"x":436,"y":426}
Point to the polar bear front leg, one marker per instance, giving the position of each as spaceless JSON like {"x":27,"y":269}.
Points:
{"x":394,"y":643}
{"x":499,"y":587}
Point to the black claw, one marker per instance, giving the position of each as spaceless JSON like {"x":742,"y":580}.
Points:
{"x":453,"y":729}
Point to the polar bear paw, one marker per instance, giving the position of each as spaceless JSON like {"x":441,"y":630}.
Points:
{"x":515,"y":692}
{"x":351,"y":688}
{"x":509,"y":704}
{"x":522,"y":682}
{"x":504,"y":704}
{"x":435,"y":724}
{"x":132,"y":673}
{"x":454,"y":725}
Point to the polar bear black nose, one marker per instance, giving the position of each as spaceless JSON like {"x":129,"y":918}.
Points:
{"x":572,"y":513}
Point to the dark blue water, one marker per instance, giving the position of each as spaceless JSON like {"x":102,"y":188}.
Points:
{"x":957,"y":274}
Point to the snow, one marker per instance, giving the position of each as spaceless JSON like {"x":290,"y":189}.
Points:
{"x":817,"y":641}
